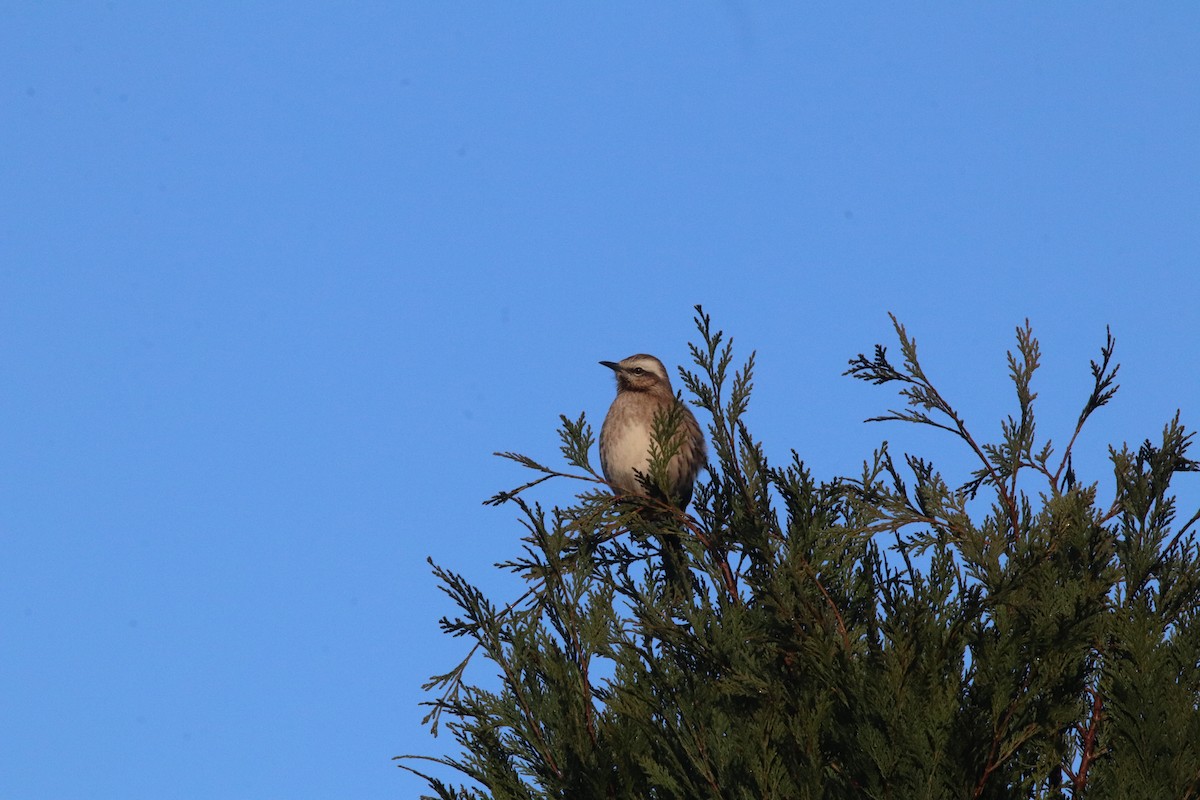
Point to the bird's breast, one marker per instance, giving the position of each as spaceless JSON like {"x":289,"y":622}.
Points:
{"x":625,"y":445}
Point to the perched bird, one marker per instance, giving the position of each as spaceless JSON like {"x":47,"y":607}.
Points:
{"x":644,"y":392}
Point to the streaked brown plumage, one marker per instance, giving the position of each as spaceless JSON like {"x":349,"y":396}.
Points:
{"x":643,"y":391}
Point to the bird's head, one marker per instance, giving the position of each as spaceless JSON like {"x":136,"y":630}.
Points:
{"x":640,"y":373}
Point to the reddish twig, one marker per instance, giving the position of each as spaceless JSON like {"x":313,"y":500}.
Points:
{"x":1088,"y":752}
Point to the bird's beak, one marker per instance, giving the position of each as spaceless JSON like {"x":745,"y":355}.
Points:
{"x":614,"y":366}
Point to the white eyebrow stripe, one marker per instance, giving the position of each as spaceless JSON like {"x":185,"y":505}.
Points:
{"x":648,"y":363}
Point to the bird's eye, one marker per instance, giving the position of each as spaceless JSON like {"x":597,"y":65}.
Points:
{"x":639,"y":371}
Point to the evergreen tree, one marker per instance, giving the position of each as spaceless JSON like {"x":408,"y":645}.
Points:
{"x":859,"y":637}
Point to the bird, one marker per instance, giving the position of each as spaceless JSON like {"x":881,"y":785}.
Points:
{"x":644,"y":393}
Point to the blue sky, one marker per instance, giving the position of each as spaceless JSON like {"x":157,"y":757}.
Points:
{"x":276,"y":279}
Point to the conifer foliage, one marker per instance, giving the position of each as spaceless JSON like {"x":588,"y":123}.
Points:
{"x":875,"y":636}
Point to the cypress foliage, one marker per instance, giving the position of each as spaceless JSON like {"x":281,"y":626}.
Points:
{"x":872,"y":636}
